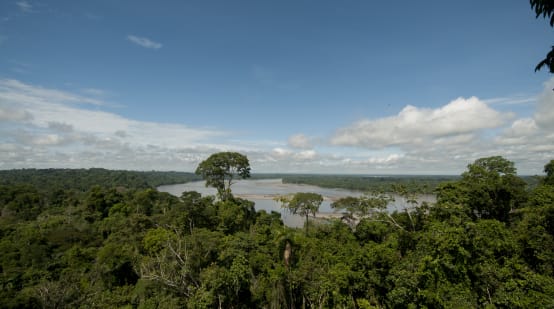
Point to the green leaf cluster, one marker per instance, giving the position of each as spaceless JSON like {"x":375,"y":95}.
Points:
{"x":221,"y":168}
{"x":488,"y":241}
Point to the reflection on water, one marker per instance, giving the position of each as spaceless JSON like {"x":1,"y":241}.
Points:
{"x":262,"y":192}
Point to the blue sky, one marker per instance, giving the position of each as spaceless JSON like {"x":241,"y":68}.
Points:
{"x":298,"y":86}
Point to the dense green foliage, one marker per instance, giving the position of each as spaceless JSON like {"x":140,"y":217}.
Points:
{"x":221,"y":168}
{"x":545,"y":9}
{"x":421,"y":184}
{"x":388,"y":184}
{"x":84,"y":179}
{"x":303,"y":204}
{"x":487,"y":242}
{"x":549,"y":170}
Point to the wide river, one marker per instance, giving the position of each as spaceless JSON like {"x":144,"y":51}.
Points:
{"x":263,"y":191}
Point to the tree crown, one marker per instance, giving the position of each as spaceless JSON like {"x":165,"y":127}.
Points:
{"x":220,"y":169}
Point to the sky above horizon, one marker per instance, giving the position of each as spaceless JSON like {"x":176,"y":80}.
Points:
{"x":362,"y":87}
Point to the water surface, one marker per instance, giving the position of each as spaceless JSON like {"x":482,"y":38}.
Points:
{"x":262,"y":192}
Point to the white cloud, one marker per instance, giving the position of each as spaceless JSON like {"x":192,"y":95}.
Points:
{"x":300,"y":141}
{"x":278,"y":154}
{"x":281,"y":152}
{"x":416,"y":126}
{"x":8,"y":113}
{"x":533,"y":135}
{"x":545,"y":108}
{"x":45,"y":139}
{"x":511,"y":100}
{"x":60,"y":126}
{"x":24,"y":6}
{"x":520,"y":132}
{"x":460,"y":139}
{"x":306,"y":155}
{"x":446,"y":139}
{"x":42,"y":127}
{"x":50,"y":108}
{"x":12,"y":90}
{"x":48,"y":127}
{"x":144,"y":42}
{"x":390,"y":159}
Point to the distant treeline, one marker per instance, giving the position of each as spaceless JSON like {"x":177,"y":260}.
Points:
{"x":84,"y":179}
{"x":425,"y":184}
{"x":420,"y":184}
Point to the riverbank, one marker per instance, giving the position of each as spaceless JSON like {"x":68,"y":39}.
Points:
{"x":275,"y":196}
{"x":264,"y":192}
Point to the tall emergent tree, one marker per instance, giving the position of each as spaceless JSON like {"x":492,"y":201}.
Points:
{"x":220,"y":169}
{"x":302,"y":203}
{"x":493,"y":188}
{"x":549,"y":170}
{"x":545,"y":8}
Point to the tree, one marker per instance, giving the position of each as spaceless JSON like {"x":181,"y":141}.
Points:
{"x":221,"y":168}
{"x":373,"y":207}
{"x":352,"y":205}
{"x":357,"y":208}
{"x":493,"y":188}
{"x":549,"y":170}
{"x":545,"y":8}
{"x":302,"y":204}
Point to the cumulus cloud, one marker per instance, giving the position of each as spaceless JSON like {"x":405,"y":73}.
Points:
{"x":300,"y":141}
{"x":8,"y":113}
{"x":520,"y":132}
{"x":279,"y":153}
{"x":446,"y":139}
{"x":545,"y":108}
{"x":42,"y":127}
{"x":415,"y":125}
{"x":144,"y":42}
{"x":390,"y":159}
{"x":39,"y":139}
{"x":306,"y":155}
{"x":311,"y":161}
{"x":60,"y":126}
{"x":529,"y":141}
{"x":533,"y":136}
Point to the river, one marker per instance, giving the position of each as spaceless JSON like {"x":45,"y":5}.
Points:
{"x":262,"y":192}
